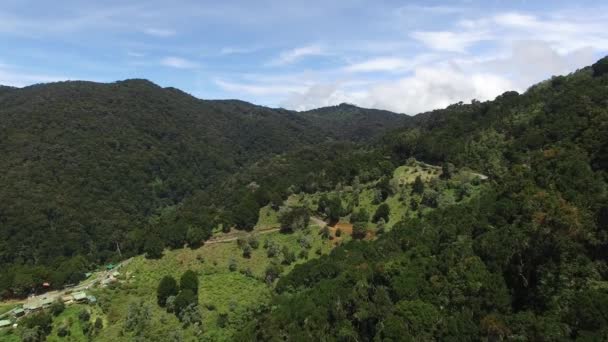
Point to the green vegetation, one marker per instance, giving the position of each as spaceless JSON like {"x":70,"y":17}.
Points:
{"x":505,"y":239}
{"x":99,"y":172}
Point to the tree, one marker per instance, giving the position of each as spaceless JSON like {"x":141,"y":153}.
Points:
{"x":294,"y":219}
{"x":330,"y":207}
{"x":246,"y":212}
{"x":447,"y":170}
{"x":383,"y":212}
{"x":84,"y":315}
{"x":166,"y":288}
{"x":57,"y":307}
{"x":418,"y":187}
{"x":183,"y":300}
{"x":189,"y":281}
{"x":359,"y":230}
{"x":42,"y":322}
{"x":190,"y":315}
{"x":360,"y":216}
{"x":272,"y":272}
{"x":195,"y":236}
{"x":138,"y":318}
{"x":247,"y":251}
{"x":153,"y":247}
{"x":253,"y":241}
{"x":288,"y":256}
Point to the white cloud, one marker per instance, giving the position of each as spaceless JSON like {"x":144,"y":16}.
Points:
{"x":178,"y":63}
{"x":379,"y":64}
{"x":389,"y":64}
{"x":158,"y":32}
{"x":293,"y":55}
{"x":450,"y":41}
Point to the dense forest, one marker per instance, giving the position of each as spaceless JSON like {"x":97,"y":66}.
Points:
{"x":87,"y":169}
{"x":525,"y":261}
{"x":97,"y":172}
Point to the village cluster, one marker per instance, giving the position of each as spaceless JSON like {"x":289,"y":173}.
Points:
{"x":69,"y":295}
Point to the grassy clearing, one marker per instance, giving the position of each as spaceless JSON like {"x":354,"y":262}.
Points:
{"x":69,"y":318}
{"x":6,"y":307}
{"x":232,"y":294}
{"x":406,"y":174}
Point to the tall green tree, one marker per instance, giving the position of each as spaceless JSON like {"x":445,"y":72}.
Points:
{"x":166,"y":288}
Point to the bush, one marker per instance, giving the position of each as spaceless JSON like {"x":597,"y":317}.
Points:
{"x":254,"y":242}
{"x":288,"y":256}
{"x":273,"y":250}
{"x":57,"y":307}
{"x":84,"y":315}
{"x":359,"y":230}
{"x":383,"y":212}
{"x":360,"y":216}
{"x":273,"y":271}
{"x":247,"y":251}
{"x":232,"y":265}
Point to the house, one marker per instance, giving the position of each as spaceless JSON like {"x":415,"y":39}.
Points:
{"x":5,"y":323}
{"x":67,"y":299}
{"x":92,"y":299}
{"x":18,"y":312}
{"x":80,"y":297}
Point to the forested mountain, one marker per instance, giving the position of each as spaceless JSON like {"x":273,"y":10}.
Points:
{"x":527,"y":260}
{"x":93,"y":168}
{"x":84,"y":164}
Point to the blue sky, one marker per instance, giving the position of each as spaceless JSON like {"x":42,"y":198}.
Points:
{"x":405,"y":56}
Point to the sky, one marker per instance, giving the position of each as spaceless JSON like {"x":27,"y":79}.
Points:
{"x":404,"y":56}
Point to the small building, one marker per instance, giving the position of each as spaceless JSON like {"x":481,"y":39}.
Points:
{"x":47,"y":301}
{"x":80,"y":297}
{"x":91,"y":299}
{"x":46,"y":284}
{"x":110,"y":266}
{"x":67,"y":299}
{"x":18,"y":312}
{"x":5,"y":323}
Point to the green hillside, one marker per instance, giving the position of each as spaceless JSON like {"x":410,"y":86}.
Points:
{"x":87,"y":168}
{"x":478,"y":222}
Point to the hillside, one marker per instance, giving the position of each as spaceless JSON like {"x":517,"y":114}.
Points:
{"x":85,"y":163}
{"x":483,"y":221}
{"x":526,"y":260}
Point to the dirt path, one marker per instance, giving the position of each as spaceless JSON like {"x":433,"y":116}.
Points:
{"x":318,"y":221}
{"x":234,"y":236}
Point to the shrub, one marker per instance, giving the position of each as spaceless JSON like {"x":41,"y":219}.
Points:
{"x":57,"y":307}
{"x":383,"y":212}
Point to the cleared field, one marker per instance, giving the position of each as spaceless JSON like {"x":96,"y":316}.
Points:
{"x":234,"y":295}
